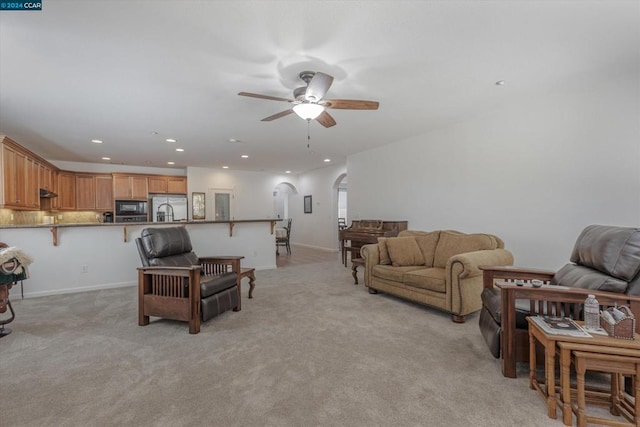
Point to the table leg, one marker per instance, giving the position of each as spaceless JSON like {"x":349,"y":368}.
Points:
{"x":532,"y":359}
{"x":550,"y":379}
{"x":580,"y":369}
{"x":565,"y":386}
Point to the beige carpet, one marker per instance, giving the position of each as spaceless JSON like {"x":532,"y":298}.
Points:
{"x":310,"y":349}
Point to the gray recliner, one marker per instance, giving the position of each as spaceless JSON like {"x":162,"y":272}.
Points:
{"x":175,"y":283}
{"x":604,"y":259}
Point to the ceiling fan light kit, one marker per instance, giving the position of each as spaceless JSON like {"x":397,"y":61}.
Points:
{"x":308,"y":102}
{"x":308,"y":111}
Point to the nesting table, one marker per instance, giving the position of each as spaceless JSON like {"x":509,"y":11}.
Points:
{"x":600,"y":353}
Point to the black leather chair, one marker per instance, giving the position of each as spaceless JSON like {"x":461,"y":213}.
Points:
{"x":174,"y":283}
{"x":605,"y":261}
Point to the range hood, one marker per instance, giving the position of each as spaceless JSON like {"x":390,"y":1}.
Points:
{"x":46,"y":194}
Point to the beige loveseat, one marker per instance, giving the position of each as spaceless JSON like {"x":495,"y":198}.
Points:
{"x":437,"y":268}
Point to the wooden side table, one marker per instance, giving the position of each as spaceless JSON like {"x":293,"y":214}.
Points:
{"x":596,"y":345}
{"x":250,"y":273}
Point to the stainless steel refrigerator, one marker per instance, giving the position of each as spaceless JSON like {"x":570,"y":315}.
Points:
{"x":168,"y":208}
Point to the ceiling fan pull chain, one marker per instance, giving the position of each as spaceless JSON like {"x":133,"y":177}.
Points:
{"x":308,"y":132}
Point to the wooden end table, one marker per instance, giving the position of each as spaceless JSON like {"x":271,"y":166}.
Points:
{"x":355,"y":262}
{"x":593,"y":349}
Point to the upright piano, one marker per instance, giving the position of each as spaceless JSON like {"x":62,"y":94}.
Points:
{"x":365,"y":231}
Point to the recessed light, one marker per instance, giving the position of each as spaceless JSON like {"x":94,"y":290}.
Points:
{"x":233,"y":140}
{"x":499,"y":82}
{"x":287,"y":171}
{"x":170,"y":140}
{"x":244,"y":156}
{"x":225,"y":167}
{"x":171,"y":163}
{"x":180,"y":149}
{"x":106,"y":158}
{"x":96,"y":141}
{"x":327,"y":160}
{"x":154,"y":133}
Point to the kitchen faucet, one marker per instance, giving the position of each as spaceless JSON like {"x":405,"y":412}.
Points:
{"x":161,"y":215}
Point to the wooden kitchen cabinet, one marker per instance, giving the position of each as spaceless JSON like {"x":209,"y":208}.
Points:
{"x":104,"y":192}
{"x":167,"y":185}
{"x":130,"y":187}
{"x":45,"y":177}
{"x":94,"y":192}
{"x":66,"y":191}
{"x":32,"y":184}
{"x":14,"y":170}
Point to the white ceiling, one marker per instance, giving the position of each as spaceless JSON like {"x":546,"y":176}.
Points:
{"x":120,"y":70}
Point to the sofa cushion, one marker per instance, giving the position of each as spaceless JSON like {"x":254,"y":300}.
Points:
{"x":394,"y":274}
{"x":404,"y":251}
{"x":427,"y":243}
{"x":611,"y":250}
{"x":427,"y":278}
{"x":577,"y":276}
{"x":384,"y":251}
{"x":163,"y":242}
{"x":451,"y":244}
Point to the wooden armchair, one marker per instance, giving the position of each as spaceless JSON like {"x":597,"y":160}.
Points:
{"x":176,"y":284}
{"x":605,"y":261}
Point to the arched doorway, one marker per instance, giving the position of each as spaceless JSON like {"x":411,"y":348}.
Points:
{"x":340,"y":200}
{"x":281,"y":195}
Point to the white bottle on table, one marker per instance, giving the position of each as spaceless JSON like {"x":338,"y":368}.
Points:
{"x":591,"y":313}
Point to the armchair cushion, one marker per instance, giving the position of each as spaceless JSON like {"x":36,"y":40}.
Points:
{"x":577,"y":276}
{"x":164,"y":242}
{"x":611,"y":250}
{"x":210,"y":285}
{"x":404,"y":251}
{"x":452,"y":243}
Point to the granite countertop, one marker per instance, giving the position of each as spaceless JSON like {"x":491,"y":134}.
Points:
{"x":108,"y":224}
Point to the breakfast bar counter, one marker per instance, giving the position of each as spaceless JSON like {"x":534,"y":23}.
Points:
{"x":90,"y":256}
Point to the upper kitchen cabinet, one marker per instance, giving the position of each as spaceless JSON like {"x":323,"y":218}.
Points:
{"x":45,"y":177}
{"x":167,"y":184}
{"x":14,"y":178}
{"x":94,"y":192}
{"x":130,"y":187}
{"x":66,"y":191}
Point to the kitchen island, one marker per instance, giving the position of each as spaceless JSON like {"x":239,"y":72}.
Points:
{"x":90,"y":256}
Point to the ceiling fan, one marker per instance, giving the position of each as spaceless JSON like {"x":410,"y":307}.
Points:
{"x":308,"y":102}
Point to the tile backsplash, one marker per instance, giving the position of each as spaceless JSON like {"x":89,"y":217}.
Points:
{"x":13,"y":217}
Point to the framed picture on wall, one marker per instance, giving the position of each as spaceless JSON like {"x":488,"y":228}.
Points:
{"x":197,"y":206}
{"x":307,"y":204}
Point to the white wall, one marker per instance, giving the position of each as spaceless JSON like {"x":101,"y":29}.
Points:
{"x":253,"y":191}
{"x":319,"y":228}
{"x":535,"y":172}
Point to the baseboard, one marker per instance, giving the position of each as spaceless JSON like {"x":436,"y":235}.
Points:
{"x":81,"y":289}
{"x":315,"y":247}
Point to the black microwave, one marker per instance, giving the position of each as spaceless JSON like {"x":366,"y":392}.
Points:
{"x":131,"y":207}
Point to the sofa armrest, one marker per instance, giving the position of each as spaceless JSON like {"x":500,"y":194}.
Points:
{"x":511,"y":273}
{"x":371,"y":256}
{"x":470,"y":262}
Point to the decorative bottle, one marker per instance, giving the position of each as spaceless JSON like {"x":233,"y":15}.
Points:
{"x":591,"y":312}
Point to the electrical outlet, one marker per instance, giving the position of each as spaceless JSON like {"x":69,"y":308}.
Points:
{"x":11,"y":217}
{"x":85,"y":268}
{"x":255,"y":254}
{"x":60,"y":216}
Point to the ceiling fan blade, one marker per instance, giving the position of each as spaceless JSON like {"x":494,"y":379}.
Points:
{"x":350,"y":104}
{"x":318,"y":87}
{"x":257,"y":95}
{"x":277,"y":116}
{"x":325,"y":119}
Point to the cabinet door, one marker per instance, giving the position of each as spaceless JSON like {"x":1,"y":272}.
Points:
{"x":177,"y":185}
{"x":66,"y":191}
{"x":45,"y":177}
{"x":121,"y":187}
{"x":85,"y":192}
{"x":15,"y":178}
{"x":157,"y":184}
{"x":139,"y":188}
{"x":32,"y":184}
{"x":104,"y":193}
